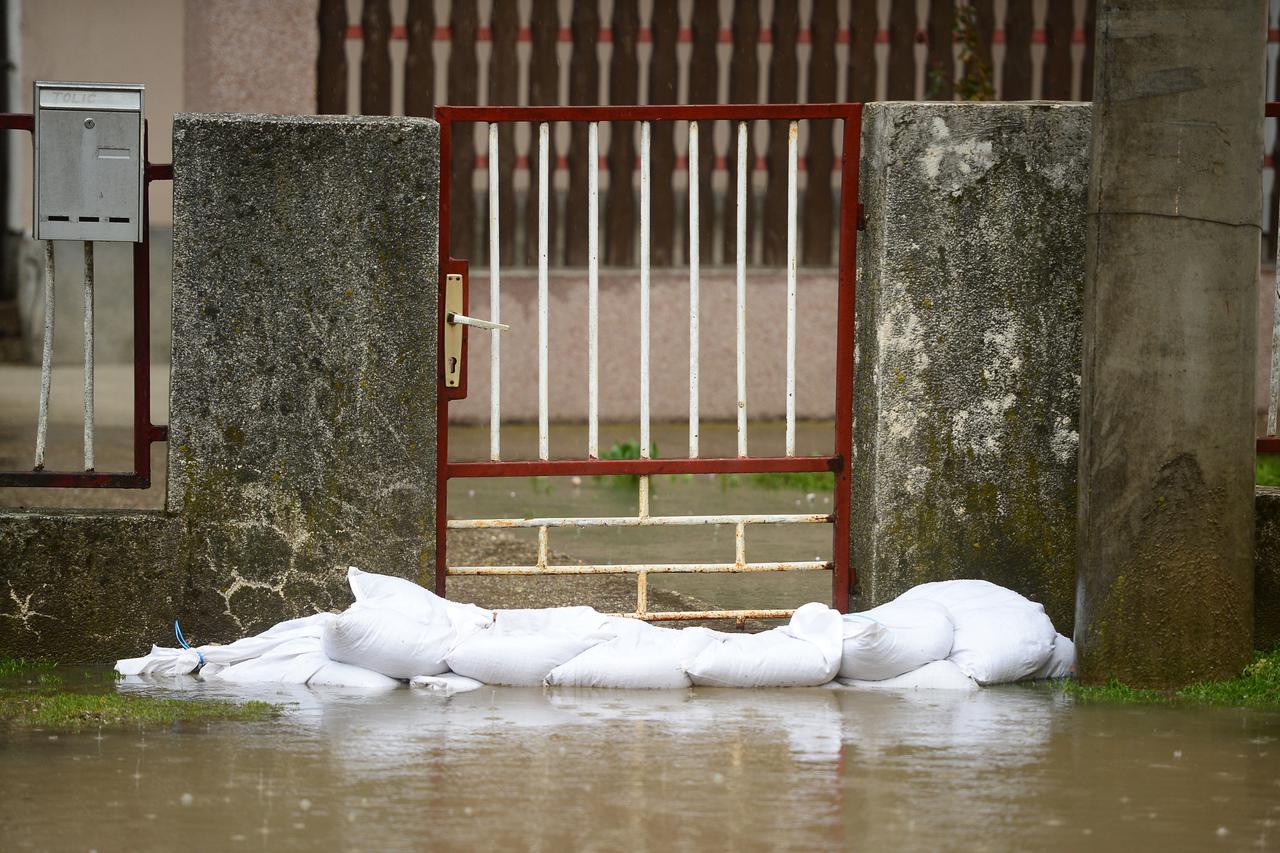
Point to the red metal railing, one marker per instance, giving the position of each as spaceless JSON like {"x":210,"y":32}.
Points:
{"x":843,"y":574}
{"x":145,"y":433}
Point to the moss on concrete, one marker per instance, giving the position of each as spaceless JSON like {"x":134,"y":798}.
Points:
{"x":966,"y":391}
{"x":304,"y":363}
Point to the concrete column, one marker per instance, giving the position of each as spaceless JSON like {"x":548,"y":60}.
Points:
{"x":1166,"y":456}
{"x":966,"y":386}
{"x":302,"y":431}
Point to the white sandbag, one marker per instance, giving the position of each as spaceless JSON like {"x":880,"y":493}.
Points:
{"x":1061,"y":663}
{"x":162,"y":662}
{"x":640,"y":657}
{"x":939,"y":675}
{"x":579,"y":620}
{"x":894,"y":638}
{"x":337,"y":674}
{"x":1000,"y":645}
{"x":961,"y":595}
{"x":174,"y":662}
{"x":805,"y":653}
{"x":1000,"y":636}
{"x":445,"y":684}
{"x":387,"y":641}
{"x":291,"y":662}
{"x":416,"y":602}
{"x":507,"y":654}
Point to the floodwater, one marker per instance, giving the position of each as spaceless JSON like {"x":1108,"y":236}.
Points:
{"x":526,"y":497}
{"x":1007,"y":768}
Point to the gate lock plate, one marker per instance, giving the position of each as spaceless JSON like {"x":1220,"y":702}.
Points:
{"x":88,"y":163}
{"x":454,"y":320}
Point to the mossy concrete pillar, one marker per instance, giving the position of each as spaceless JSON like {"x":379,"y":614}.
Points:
{"x":1166,"y":453}
{"x":303,"y":392}
{"x":966,"y":390}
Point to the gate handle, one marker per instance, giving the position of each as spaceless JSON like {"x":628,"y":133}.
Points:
{"x":455,"y":320}
{"x":464,"y":320}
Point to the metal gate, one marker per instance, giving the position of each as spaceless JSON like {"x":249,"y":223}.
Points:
{"x":456,"y":327}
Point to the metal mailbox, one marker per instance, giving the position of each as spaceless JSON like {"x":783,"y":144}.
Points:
{"x":88,"y":162}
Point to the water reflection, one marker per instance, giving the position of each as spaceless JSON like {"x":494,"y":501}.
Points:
{"x":558,"y":769}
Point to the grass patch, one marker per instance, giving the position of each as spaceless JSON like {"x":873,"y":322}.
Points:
{"x":38,"y":695}
{"x":21,"y":666}
{"x":1258,"y":686}
{"x":75,"y":711}
{"x":1266,"y":469}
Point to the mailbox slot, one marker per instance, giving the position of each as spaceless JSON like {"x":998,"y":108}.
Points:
{"x":88,"y":162}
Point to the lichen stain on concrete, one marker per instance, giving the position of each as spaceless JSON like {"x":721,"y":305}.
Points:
{"x":967,"y":381}
{"x":952,"y":164}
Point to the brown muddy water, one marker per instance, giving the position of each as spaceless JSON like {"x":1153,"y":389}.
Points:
{"x":1010,"y":768}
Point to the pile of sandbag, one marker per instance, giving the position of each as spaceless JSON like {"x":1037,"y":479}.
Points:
{"x":946,"y":635}
{"x":953,"y":634}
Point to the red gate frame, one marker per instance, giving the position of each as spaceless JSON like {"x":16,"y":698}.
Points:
{"x":843,"y":574}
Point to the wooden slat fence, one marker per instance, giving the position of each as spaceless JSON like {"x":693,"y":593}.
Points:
{"x":677,"y":51}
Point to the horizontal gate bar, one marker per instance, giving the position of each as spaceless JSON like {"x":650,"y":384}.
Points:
{"x":633,"y":521}
{"x":74,"y":480}
{"x":636,"y":568}
{"x":671,"y":615}
{"x":608,"y":467}
{"x":660,"y":112}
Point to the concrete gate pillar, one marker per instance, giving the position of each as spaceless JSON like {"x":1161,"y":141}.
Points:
{"x":1166,"y":454}
{"x":966,"y":386}
{"x":303,"y":393}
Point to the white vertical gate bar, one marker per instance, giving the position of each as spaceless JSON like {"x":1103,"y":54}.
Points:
{"x":642,"y":511}
{"x":88,"y":355}
{"x":495,"y":311}
{"x":693,"y":289}
{"x":544,"y":173}
{"x":792,"y":158}
{"x":642,"y":593}
{"x":741,"y":246}
{"x":740,"y":544}
{"x":542,"y":547}
{"x":644,"y":291}
{"x":593,"y":290}
{"x":46,"y":357}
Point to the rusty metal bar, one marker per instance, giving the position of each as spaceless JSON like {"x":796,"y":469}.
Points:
{"x":657,"y":112}
{"x":609,"y":467}
{"x":684,"y":615}
{"x":634,"y":521}
{"x":648,"y":568}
